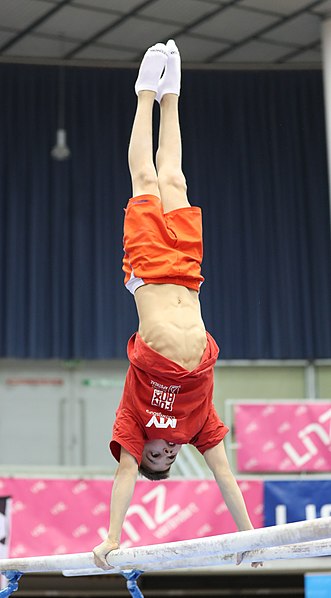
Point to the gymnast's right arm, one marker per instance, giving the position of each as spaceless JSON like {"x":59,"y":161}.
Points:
{"x":123,"y":487}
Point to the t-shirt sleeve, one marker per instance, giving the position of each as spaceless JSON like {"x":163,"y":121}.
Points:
{"x":128,"y":434}
{"x":212,"y":432}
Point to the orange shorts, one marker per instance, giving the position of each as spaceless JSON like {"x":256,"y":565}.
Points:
{"x":161,"y":248}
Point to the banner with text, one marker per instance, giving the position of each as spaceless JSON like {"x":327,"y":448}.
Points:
{"x":286,"y":502}
{"x":5,"y":503}
{"x":57,"y":516}
{"x":283,"y":437}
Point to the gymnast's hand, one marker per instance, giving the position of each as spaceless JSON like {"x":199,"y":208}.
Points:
{"x":101,"y":551}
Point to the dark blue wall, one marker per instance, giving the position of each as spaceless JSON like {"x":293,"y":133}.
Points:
{"x":255,"y":160}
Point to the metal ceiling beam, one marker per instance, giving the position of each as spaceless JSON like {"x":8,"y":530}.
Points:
{"x":184,"y":30}
{"x":33,"y":26}
{"x":200,"y":20}
{"x":105,"y":30}
{"x":298,"y":51}
{"x":135,"y":12}
{"x":264,"y":30}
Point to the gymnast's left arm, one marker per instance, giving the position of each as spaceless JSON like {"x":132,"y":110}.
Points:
{"x":217,"y":462}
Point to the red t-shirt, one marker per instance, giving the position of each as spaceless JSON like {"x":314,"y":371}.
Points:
{"x":161,"y":399}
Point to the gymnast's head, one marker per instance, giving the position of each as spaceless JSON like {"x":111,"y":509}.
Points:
{"x":157,"y":459}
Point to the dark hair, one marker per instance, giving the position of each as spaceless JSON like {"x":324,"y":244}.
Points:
{"x":154,"y":475}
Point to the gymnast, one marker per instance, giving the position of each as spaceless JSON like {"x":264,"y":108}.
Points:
{"x":168,"y":392}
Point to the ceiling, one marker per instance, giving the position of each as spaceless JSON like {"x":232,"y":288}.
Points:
{"x":208,"y":32}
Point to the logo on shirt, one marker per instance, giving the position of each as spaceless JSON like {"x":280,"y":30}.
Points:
{"x":161,"y":421}
{"x":164,"y":396}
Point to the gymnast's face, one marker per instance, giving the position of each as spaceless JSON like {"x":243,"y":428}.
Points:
{"x":159,"y":455}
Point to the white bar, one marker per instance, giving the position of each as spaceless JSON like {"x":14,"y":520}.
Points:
{"x":291,"y":533}
{"x":40,"y":564}
{"x":293,"y":551}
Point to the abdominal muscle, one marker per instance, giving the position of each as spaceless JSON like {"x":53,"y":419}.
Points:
{"x":170,"y":322}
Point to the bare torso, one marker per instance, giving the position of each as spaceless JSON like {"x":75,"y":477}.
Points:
{"x":170,"y":322}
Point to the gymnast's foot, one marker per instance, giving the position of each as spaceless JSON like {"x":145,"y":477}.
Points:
{"x":170,"y":80}
{"x":151,"y":68}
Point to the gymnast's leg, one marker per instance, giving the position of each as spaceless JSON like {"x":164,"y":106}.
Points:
{"x":142,"y":169}
{"x":171,"y":180}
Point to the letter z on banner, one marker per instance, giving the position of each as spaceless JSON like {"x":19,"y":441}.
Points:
{"x":5,"y":502}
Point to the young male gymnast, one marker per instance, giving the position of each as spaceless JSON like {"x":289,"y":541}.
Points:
{"x":167,"y":398}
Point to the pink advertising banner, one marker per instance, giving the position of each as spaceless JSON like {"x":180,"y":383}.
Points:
{"x":283,"y":437}
{"x":57,"y":516}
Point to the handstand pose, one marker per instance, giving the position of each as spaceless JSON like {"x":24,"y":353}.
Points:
{"x":167,"y":398}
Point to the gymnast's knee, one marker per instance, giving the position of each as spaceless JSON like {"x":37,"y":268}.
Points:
{"x":145,"y":181}
{"x":173,"y":190}
{"x":174,"y":179}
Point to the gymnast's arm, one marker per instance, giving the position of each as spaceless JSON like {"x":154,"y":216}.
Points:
{"x":123,"y":487}
{"x":217,"y":462}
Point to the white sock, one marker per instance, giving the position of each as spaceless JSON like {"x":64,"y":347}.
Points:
{"x":170,"y":81}
{"x":151,"y":68}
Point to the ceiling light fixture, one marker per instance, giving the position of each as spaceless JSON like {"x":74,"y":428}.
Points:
{"x":61,"y":151}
